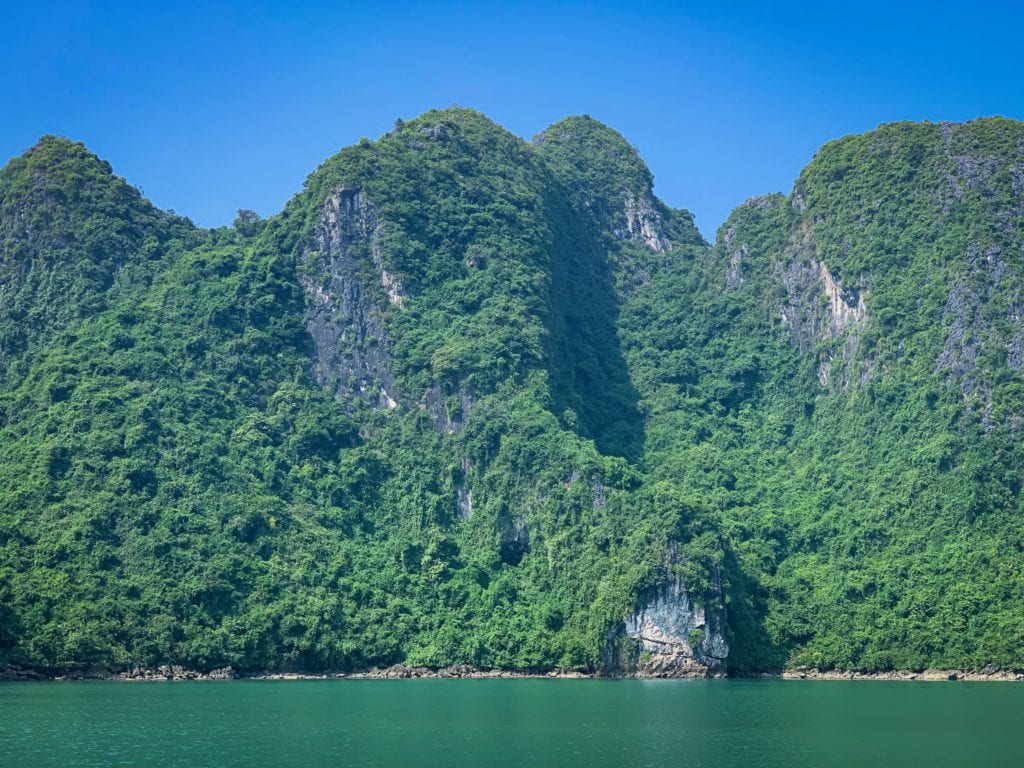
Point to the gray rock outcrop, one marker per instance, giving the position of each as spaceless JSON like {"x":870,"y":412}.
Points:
{"x":643,"y":223}
{"x":346,"y":281}
{"x":971,"y":326}
{"x":671,"y":633}
{"x":676,"y":635}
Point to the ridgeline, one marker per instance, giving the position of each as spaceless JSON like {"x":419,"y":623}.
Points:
{"x":469,"y":400}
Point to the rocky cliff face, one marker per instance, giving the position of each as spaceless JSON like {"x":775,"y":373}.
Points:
{"x":643,"y":222}
{"x":972,"y":325}
{"x":572,"y":381}
{"x":448,"y":414}
{"x":343,"y":315}
{"x":817,"y":306}
{"x":671,"y":633}
{"x":814,"y":306}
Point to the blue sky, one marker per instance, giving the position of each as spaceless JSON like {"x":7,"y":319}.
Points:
{"x":212,"y":107}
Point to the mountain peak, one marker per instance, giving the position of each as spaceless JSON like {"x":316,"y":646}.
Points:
{"x":58,"y":174}
{"x":57,"y":154}
{"x":498,"y":399}
{"x":589,"y":152}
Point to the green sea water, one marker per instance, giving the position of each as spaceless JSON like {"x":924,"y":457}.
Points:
{"x":565,"y":723}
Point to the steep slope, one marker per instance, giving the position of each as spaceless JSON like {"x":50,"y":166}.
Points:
{"x":135,"y":473}
{"x":331,"y":443}
{"x":451,"y":255}
{"x":70,"y":231}
{"x":469,"y":400}
{"x":848,"y":394}
{"x":635,"y":237}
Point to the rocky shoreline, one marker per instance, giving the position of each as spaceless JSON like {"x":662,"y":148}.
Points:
{"x":405,"y":672}
{"x":13,"y":672}
{"x":986,"y":674}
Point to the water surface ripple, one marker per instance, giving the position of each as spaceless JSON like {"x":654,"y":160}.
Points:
{"x":565,"y":723}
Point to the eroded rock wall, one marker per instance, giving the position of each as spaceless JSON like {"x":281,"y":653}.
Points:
{"x":344,"y":278}
{"x":643,"y":223}
{"x":672,"y":633}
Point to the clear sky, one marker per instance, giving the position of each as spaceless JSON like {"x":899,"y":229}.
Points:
{"x":210,"y":107}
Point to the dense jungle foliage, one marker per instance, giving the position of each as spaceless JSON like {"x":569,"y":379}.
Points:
{"x":814,"y":422}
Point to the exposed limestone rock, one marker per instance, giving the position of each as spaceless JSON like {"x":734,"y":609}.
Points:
{"x":739,"y":251}
{"x":447,"y":414}
{"x":671,"y":633}
{"x":464,"y":501}
{"x":675,"y":635}
{"x":643,"y":223}
{"x":404,"y":671}
{"x":353,"y":348}
{"x":1017,"y":179}
{"x":818,"y":307}
{"x":13,"y":672}
{"x":599,"y":493}
{"x":393,"y":286}
{"x":987,"y":277}
{"x":989,"y":674}
{"x":1015,"y":352}
{"x":970,"y":328}
{"x":825,"y":369}
{"x":386,"y":400}
{"x":847,"y":306}
{"x":734,"y":279}
{"x":163,"y":672}
{"x":972,"y":171}
{"x":762,"y":202}
{"x":966,"y":169}
{"x":807,"y":280}
{"x":436,"y":131}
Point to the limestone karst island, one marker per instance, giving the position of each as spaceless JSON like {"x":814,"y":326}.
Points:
{"x":511,"y":384}
{"x":475,"y":401}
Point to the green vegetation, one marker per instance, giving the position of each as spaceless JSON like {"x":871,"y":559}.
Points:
{"x":875,"y":520}
{"x":571,"y":404}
